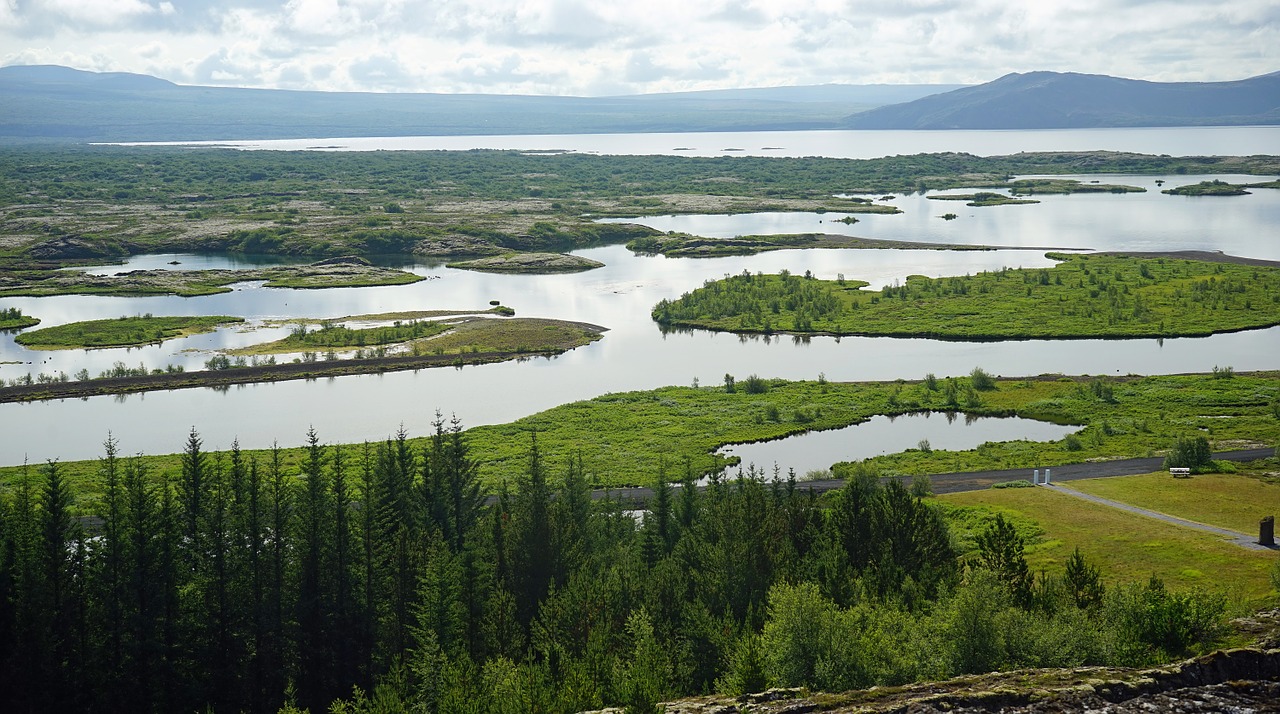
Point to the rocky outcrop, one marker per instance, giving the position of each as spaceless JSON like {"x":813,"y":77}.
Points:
{"x":1236,"y":680}
{"x":75,"y":248}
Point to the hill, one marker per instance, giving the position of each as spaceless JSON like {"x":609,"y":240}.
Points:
{"x":1054,"y":100}
{"x":42,"y":103}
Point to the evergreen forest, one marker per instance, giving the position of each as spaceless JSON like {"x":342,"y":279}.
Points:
{"x":380,"y":577}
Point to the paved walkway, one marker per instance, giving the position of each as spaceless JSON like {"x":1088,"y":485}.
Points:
{"x":1240,"y":539}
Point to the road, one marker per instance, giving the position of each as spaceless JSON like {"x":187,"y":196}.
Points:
{"x":978,"y":480}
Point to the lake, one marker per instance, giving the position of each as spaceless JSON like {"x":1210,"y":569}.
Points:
{"x":818,"y":450}
{"x":634,"y":353}
{"x":846,"y":144}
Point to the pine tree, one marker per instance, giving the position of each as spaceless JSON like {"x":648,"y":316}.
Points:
{"x":1083,"y":582}
{"x":314,"y":609}
{"x":1000,"y":551}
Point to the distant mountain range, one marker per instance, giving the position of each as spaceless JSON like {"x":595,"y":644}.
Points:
{"x":58,"y":103}
{"x":50,"y":103}
{"x":1055,"y":100}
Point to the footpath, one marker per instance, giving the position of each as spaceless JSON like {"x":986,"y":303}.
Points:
{"x":1241,"y":539}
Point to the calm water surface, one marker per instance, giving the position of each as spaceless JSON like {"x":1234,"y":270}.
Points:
{"x":818,"y":450}
{"x":634,"y":354}
{"x":848,"y":144}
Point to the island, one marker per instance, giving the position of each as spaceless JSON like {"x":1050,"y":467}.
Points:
{"x":1084,"y":296}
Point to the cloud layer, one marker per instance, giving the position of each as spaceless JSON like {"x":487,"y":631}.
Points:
{"x":577,"y":47}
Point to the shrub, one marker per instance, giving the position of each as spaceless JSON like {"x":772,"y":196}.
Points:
{"x":1190,"y":452}
{"x":982,"y":380}
{"x":755,"y":385}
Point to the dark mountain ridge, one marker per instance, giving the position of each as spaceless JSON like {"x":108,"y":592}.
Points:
{"x":1057,"y":100}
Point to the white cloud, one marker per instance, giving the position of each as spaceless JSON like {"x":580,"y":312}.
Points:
{"x":587,"y":47}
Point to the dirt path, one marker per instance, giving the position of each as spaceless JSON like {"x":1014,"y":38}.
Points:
{"x":1240,"y":539}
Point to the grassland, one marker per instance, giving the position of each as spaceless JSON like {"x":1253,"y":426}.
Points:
{"x":1124,"y":546}
{"x":1233,"y":501}
{"x":1085,"y":296}
{"x":122,"y":331}
{"x":625,"y":439}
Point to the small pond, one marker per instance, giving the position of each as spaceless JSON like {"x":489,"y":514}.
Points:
{"x":818,"y":450}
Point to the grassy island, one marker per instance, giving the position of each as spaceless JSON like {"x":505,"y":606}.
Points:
{"x":1085,"y":296}
{"x":192,"y":283}
{"x":1026,"y":187}
{"x":474,"y":340}
{"x":121,"y":331}
{"x":12,"y":318}
{"x":331,"y":336}
{"x":530,"y":263}
{"x":984,"y":198}
{"x":1208,"y":188}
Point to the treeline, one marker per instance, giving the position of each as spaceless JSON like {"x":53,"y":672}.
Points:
{"x":379,"y":575}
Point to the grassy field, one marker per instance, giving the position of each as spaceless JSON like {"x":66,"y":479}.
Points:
{"x":121,"y":331}
{"x":1231,"y":501}
{"x":1082,"y":297}
{"x":1124,"y":546}
{"x":625,"y":438}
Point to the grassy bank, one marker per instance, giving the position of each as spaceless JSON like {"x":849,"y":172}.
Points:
{"x":625,"y":439}
{"x":122,"y":331}
{"x":1084,"y":296}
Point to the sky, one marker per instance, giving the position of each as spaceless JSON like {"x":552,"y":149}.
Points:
{"x":572,"y":47}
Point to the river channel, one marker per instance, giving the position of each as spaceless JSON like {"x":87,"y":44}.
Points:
{"x":634,"y":353}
